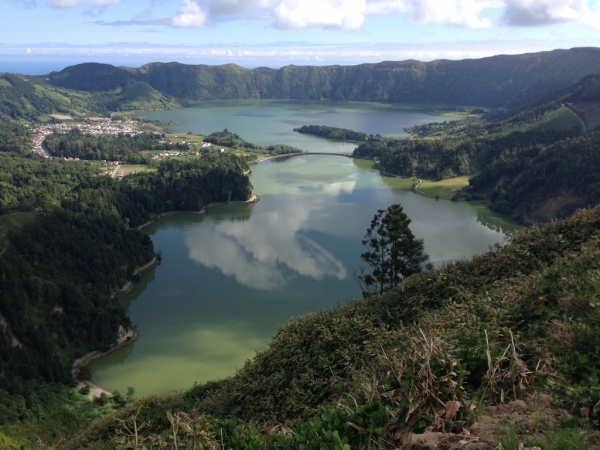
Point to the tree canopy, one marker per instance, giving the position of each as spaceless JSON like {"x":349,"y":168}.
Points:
{"x":392,"y":252}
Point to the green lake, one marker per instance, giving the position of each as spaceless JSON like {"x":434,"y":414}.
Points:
{"x":265,"y":122}
{"x":230,"y":278}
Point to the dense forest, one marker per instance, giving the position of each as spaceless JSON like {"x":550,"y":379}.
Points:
{"x":533,"y":176}
{"x":120,"y":147}
{"x":341,"y":134}
{"x":541,"y":183}
{"x":68,"y":239}
{"x":507,"y":80}
{"x":228,"y":139}
{"x":446,"y":158}
{"x":281,"y":149}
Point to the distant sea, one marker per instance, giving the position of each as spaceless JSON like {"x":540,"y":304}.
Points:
{"x":28,"y":67}
{"x":33,"y":67}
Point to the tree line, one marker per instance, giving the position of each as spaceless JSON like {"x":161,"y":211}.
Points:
{"x":342,"y":134}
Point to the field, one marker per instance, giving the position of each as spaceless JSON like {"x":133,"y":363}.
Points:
{"x":444,"y":188}
{"x":187,"y":138}
{"x":136,"y":168}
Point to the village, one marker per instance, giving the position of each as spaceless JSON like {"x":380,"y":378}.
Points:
{"x":114,"y":128}
{"x":107,"y":128}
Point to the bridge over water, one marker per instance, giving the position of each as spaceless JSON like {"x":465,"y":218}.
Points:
{"x":288,"y":155}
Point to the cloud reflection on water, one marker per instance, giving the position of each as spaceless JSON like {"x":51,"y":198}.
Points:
{"x":254,"y":251}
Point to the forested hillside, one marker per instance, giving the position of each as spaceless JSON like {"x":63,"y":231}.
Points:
{"x":583,"y":99}
{"x":68,"y":240}
{"x":508,"y":81}
{"x":534,"y":163}
{"x":20,"y":100}
{"x":542,"y":183}
{"x":446,"y":158}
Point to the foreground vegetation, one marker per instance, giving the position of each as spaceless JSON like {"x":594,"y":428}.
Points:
{"x":428,"y":354}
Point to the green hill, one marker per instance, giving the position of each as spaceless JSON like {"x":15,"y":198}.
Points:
{"x":578,"y":105}
{"x":534,"y":163}
{"x":542,"y":183}
{"x":19,"y":99}
{"x":136,"y":96}
{"x":92,"y":77}
{"x":496,"y":81}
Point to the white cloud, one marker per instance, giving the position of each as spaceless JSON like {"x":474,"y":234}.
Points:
{"x":591,"y":20}
{"x":463,"y":13}
{"x":255,"y":252}
{"x":350,"y":15}
{"x":74,"y":3}
{"x":544,"y":12}
{"x":344,"y":14}
{"x":189,"y":16}
{"x":240,"y":8}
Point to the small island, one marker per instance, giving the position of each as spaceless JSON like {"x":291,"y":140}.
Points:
{"x":339,"y":134}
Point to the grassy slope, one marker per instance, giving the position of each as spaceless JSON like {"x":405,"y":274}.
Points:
{"x":539,"y":291}
{"x":74,"y":102}
{"x":65,"y":412}
{"x":559,"y":119}
{"x":444,"y":188}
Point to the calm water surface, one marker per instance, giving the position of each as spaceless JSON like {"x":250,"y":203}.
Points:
{"x":230,"y":278}
{"x":266,"y":122}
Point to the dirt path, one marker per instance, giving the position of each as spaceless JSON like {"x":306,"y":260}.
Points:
{"x":578,"y":118}
{"x":418,"y":191}
{"x":138,"y":270}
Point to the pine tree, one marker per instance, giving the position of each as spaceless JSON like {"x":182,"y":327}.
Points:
{"x":392,"y":252}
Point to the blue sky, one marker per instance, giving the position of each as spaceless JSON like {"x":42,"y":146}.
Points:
{"x":275,"y":33}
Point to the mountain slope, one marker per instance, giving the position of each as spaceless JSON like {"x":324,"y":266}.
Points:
{"x":582,"y":100}
{"x":508,"y":81}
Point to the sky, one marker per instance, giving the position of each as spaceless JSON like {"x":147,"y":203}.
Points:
{"x":37,"y":36}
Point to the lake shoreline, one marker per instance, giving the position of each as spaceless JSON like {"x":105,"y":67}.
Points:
{"x":130,"y":335}
{"x":252,"y":199}
{"x":127,"y":336}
